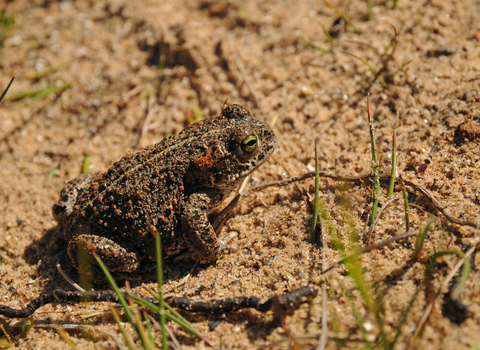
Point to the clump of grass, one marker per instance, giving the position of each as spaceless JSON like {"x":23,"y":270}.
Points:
{"x":347,"y":244}
{"x":163,"y":310}
{"x":371,"y":296}
{"x":382,"y":73}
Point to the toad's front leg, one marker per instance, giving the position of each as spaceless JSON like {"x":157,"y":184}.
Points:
{"x":197,"y":232}
{"x":116,"y":257}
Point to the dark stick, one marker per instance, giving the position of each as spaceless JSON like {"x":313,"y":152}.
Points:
{"x":287,"y":301}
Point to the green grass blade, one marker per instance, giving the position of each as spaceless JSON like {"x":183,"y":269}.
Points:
{"x":37,"y":95}
{"x":86,"y":164}
{"x":406,"y":207}
{"x":391,"y":185}
{"x":372,"y":70}
{"x":5,"y":344}
{"x":313,"y":235}
{"x":161,"y":311}
{"x":41,"y":94}
{"x":137,"y":324}
{"x":376,"y":164}
{"x":172,"y":315}
{"x":358,"y":317}
{"x":47,"y":71}
{"x":65,"y":337}
{"x":122,"y":329}
{"x":328,"y":36}
{"x":28,"y":323}
{"x":114,"y":286}
{"x":343,"y":16}
{"x":422,"y":235}
{"x":149,"y":331}
{"x":369,"y":10}
{"x":316,"y":47}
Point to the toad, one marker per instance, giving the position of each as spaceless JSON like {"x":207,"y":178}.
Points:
{"x":169,"y":188}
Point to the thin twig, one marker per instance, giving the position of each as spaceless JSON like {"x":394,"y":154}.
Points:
{"x":426,"y":193}
{"x":372,"y":227}
{"x":365,"y":226}
{"x":373,"y":247}
{"x":69,"y":280}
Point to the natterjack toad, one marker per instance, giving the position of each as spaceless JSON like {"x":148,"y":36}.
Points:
{"x":169,"y":188}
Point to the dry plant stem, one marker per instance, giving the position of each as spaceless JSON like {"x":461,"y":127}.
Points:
{"x":394,"y":160}
{"x":374,"y":224}
{"x":365,"y":226}
{"x":175,"y":343}
{"x":428,"y":309}
{"x":376,"y":163}
{"x":373,"y":247}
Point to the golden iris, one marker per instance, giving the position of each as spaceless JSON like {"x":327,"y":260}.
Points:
{"x":249,"y":144}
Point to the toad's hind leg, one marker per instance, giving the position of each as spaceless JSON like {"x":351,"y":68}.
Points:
{"x":197,"y":232}
{"x":114,"y":256}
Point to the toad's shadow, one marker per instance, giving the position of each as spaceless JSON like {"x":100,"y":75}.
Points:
{"x":52,"y":248}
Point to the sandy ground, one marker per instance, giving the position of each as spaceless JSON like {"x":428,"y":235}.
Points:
{"x":142,"y":70}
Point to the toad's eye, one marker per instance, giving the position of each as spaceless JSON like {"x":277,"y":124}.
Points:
{"x":249,"y":144}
